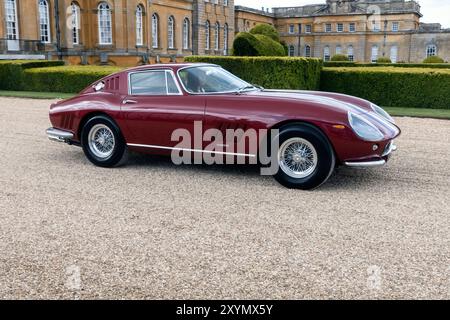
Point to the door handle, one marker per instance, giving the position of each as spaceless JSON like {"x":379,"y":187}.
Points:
{"x":128,"y":101}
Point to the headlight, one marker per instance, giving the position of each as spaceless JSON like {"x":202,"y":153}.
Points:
{"x":382,"y":112}
{"x":363,"y":128}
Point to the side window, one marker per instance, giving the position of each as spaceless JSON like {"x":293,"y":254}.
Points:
{"x":157,"y":82}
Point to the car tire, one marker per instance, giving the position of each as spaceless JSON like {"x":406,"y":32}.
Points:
{"x":305,"y":157}
{"x":103,"y":143}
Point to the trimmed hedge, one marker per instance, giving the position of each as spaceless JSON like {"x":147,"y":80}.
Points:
{"x":247,"y":44}
{"x":12,"y":71}
{"x":67,"y":79}
{"x":391,"y":87}
{"x":339,"y":57}
{"x":433,"y":59}
{"x":266,"y":30}
{"x":270,"y":72}
{"x":397,"y":65}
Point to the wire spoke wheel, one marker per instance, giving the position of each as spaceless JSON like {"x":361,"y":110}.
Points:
{"x":101,"y":141}
{"x":297,"y":158}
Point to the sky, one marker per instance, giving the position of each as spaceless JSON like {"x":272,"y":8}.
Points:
{"x":432,"y":10}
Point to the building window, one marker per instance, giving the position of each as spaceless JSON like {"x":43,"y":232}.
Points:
{"x":155,"y":30}
{"x":328,"y":27}
{"x":225,"y":3}
{"x":216,"y":36}
{"x":291,"y":51}
{"x":207,"y":35}
{"x":431,"y":50}
{"x":307,"y":51}
{"x":171,"y":32}
{"x":186,"y":33}
{"x":352,"y":27}
{"x":291,"y":28}
{"x":338,"y":50}
{"x":225,"y":39}
{"x":104,"y":23}
{"x":139,"y":26}
{"x":394,"y":54}
{"x":395,"y":26}
{"x":308,"y":28}
{"x":374,"y":56}
{"x":75,"y":23}
{"x":326,"y":53}
{"x":44,"y":21}
{"x":11,"y":20}
{"x":376,"y":26}
{"x":340,"y":27}
{"x":350,"y":53}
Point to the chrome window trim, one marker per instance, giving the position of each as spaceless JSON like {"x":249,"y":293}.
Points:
{"x":206,"y":93}
{"x":166,"y":71}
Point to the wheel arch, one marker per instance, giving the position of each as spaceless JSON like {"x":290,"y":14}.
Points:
{"x":292,"y":122}
{"x":86,"y":117}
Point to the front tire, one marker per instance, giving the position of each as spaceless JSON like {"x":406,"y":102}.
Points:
{"x":305,"y":157}
{"x":103,"y":143}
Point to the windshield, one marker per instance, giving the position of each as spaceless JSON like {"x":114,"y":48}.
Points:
{"x":211,"y":79}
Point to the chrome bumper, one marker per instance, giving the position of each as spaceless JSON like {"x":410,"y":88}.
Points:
{"x":391,"y":147}
{"x":59,"y":135}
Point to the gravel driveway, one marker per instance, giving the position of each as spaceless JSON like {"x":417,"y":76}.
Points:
{"x":155,"y":230}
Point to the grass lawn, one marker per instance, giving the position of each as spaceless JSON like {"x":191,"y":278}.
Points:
{"x":420,"y":113}
{"x":36,"y":95}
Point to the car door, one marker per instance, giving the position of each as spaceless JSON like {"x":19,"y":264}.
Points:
{"x":156,"y":106}
{"x":235,"y":112}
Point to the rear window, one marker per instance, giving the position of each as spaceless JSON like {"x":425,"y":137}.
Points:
{"x":153,"y":82}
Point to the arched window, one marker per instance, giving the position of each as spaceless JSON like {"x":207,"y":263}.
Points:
{"x":75,"y":9}
{"x":350,"y":53}
{"x":307,"y":51}
{"x":338,"y":50}
{"x":139,"y":26}
{"x":155,"y":30}
{"x":216,"y":36}
{"x":104,"y":23}
{"x":326,"y":53}
{"x":291,"y":51}
{"x":44,"y":21}
{"x":225,"y":38}
{"x":374,"y":56}
{"x":394,"y":54}
{"x":207,"y":35}
{"x":171,"y":32}
{"x":12,"y":32}
{"x":431,"y":50}
{"x":186,"y":33}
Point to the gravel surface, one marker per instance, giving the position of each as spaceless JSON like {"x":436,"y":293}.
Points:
{"x":155,"y":230}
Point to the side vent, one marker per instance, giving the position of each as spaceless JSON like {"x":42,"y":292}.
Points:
{"x":112,"y":84}
{"x":67,"y":121}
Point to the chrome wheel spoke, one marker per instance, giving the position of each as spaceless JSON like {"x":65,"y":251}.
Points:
{"x":101,"y":141}
{"x":297,"y":157}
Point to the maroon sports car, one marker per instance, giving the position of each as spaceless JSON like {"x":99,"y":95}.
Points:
{"x":140,"y":108}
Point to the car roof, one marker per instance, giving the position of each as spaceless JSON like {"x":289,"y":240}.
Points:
{"x":173,"y":66}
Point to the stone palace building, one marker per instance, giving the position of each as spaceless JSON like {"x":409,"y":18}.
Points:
{"x":130,"y":32}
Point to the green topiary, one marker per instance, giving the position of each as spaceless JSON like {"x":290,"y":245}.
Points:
{"x":384,"y":60}
{"x":267,"y":30}
{"x":433,"y":59}
{"x":339,"y":57}
{"x":247,"y":44}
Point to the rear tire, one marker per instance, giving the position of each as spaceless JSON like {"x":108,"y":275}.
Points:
{"x":305,"y":157}
{"x":103,"y":143}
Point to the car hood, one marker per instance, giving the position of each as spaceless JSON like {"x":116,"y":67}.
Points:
{"x":332,"y":100}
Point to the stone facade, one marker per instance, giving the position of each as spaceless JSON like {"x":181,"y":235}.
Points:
{"x":362,"y":29}
{"x":130,"y":32}
{"x":118,"y":32}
